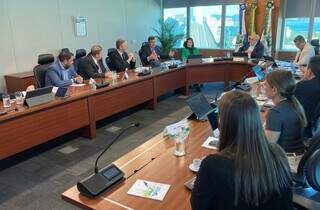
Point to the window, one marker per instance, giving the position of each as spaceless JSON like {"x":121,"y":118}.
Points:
{"x":294,"y":27}
{"x":232,"y":24}
{"x":316,"y":28}
{"x":177,"y":17}
{"x":210,"y":26}
{"x":205,"y":26}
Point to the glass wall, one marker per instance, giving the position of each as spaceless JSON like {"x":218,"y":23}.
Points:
{"x":205,"y":26}
{"x":211,"y":27}
{"x":178,"y":18}
{"x":232,"y":24}
{"x":294,"y":27}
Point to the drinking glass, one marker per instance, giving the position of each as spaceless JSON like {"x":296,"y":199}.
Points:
{"x":6,"y":100}
{"x":19,"y":98}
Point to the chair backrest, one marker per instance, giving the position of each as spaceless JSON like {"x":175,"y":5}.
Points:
{"x":144,"y":44}
{"x":314,"y":146}
{"x":109,"y":63}
{"x":111,"y":50}
{"x":39,"y":71}
{"x":80,"y":53}
{"x":315,"y":44}
{"x":313,"y":170}
{"x":315,"y":124}
{"x":65,"y":50}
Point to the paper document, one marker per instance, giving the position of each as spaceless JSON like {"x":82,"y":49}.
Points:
{"x":78,"y":85}
{"x":211,"y":143}
{"x":146,"y":189}
{"x":172,"y":130}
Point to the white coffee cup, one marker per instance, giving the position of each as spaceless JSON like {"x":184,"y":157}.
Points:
{"x":196,"y":163}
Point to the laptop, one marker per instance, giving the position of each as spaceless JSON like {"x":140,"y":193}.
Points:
{"x":200,"y":107}
{"x":39,"y":96}
{"x":194,"y":59}
{"x":240,"y":54}
{"x":260,"y":74}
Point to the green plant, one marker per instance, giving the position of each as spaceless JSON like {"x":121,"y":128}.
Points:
{"x":166,"y":35}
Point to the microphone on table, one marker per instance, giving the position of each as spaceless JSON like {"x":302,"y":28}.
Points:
{"x":102,"y":180}
{"x":96,"y":169}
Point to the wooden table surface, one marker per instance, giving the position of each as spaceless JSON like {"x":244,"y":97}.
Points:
{"x":152,"y":161}
{"x":23,"y":128}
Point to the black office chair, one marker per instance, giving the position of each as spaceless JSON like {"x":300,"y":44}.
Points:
{"x":140,"y":53}
{"x":39,"y":71}
{"x":316,"y":45}
{"x":300,"y":177}
{"x":65,"y":50}
{"x":80,"y":53}
{"x":315,"y":123}
{"x":108,"y":60}
{"x":313,"y":170}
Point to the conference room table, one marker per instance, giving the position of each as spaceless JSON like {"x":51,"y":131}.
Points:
{"x":154,"y":161}
{"x":25,"y":127}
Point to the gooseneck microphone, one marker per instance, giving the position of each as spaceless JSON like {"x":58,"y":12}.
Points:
{"x":104,"y":179}
{"x":96,"y":169}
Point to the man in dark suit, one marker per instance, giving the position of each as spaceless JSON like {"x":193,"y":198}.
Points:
{"x":92,"y":65}
{"x":254,"y":47}
{"x":120,"y":59}
{"x":151,"y":54}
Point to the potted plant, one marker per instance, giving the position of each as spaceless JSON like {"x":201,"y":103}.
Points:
{"x":167,"y":35}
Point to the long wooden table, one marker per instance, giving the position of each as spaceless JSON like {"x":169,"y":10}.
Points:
{"x":154,"y":161}
{"x":27,"y":127}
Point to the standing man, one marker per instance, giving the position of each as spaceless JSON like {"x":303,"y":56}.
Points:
{"x":305,"y":53}
{"x":92,"y":65}
{"x":61,"y":73}
{"x":151,"y":54}
{"x":120,"y":58}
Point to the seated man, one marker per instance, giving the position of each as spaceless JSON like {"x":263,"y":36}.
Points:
{"x":61,"y":73}
{"x":151,"y":54}
{"x":305,"y":53}
{"x":92,"y":65}
{"x":308,"y":91}
{"x":254,"y":47}
{"x":120,"y":59}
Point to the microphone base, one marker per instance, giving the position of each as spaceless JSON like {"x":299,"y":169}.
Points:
{"x":100,"y":182}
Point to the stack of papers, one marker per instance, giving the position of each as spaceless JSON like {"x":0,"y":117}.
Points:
{"x":146,"y":189}
{"x":174,"y":129}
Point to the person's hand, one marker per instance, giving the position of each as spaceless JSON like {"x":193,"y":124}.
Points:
{"x":30,"y":88}
{"x":171,"y":54}
{"x":154,"y":56}
{"x":78,"y":79}
{"x":130,"y":57}
{"x":108,"y":74}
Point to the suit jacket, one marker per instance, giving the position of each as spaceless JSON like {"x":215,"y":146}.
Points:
{"x":54,"y":75}
{"x":304,"y":55}
{"x":120,"y":64}
{"x":89,"y":69}
{"x":145,"y":52}
{"x":257,"y":52}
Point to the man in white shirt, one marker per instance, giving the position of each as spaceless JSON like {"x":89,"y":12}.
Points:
{"x":305,"y":53}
